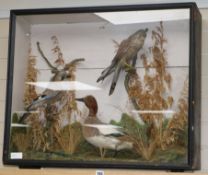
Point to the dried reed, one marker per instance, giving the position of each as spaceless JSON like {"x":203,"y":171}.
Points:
{"x":70,"y":137}
{"x":31,"y":76}
{"x":151,"y":95}
{"x":55,"y":116}
{"x":21,"y":141}
{"x":178,"y":125}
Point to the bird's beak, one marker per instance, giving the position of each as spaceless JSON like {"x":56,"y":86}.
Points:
{"x":79,"y":99}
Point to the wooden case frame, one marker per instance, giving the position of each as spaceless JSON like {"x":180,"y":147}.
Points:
{"x":194,"y":89}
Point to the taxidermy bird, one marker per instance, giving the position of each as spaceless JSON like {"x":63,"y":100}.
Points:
{"x":126,"y":53}
{"x":48,"y":96}
{"x":41,"y":101}
{"x":101,"y":135}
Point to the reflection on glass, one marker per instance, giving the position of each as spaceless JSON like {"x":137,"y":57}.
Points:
{"x":99,"y":91}
{"x":63,"y":85}
{"x":146,"y":16}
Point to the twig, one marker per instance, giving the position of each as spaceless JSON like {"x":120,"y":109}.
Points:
{"x":45,"y":58}
{"x":73,"y":62}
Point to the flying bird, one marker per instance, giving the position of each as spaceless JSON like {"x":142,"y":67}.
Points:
{"x":126,"y":53}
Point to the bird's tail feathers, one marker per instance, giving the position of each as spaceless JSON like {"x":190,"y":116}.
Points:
{"x":105,"y":73}
{"x":115,"y":79}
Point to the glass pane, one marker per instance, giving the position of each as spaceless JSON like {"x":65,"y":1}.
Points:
{"x":109,"y":86}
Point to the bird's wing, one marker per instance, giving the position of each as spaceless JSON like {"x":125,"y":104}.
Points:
{"x":123,"y":48}
{"x":42,"y":99}
{"x":115,"y":78}
{"x":106,"y":129}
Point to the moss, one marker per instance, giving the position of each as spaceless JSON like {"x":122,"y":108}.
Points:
{"x":15,"y":118}
{"x":87,"y":152}
{"x":132,"y":127}
{"x":172,"y":155}
{"x":84,"y":151}
{"x":165,"y":124}
{"x":183,"y":136}
{"x":19,"y":137}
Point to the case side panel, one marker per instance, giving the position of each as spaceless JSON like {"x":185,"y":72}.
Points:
{"x":19,"y":44}
{"x":22,"y":46}
{"x":197,"y":90}
{"x":9,"y":86}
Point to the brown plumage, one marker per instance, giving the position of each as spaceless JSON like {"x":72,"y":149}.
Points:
{"x":99,"y":134}
{"x":127,"y":53}
{"x":91,"y":104}
{"x":48,"y":97}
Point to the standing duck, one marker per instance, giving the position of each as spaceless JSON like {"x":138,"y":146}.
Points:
{"x":101,"y":135}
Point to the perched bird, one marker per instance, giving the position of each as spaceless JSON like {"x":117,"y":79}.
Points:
{"x":101,"y":135}
{"x":48,"y":96}
{"x":41,"y":101}
{"x":126,"y":53}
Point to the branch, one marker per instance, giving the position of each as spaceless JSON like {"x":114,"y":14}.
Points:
{"x":45,"y":58}
{"x":73,"y":63}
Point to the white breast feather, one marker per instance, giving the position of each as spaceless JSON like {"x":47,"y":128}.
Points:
{"x":106,"y":129}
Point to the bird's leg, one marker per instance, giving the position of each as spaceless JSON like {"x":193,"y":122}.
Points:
{"x":131,"y":68}
{"x":128,"y":67}
{"x":115,"y":153}
{"x":116,"y":149}
{"x":102,"y":152}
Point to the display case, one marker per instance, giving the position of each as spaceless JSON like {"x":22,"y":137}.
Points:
{"x":104,"y":87}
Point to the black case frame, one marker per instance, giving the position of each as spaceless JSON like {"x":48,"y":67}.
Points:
{"x":194,"y":89}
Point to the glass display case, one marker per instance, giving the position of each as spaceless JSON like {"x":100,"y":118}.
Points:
{"x":108,"y":87}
